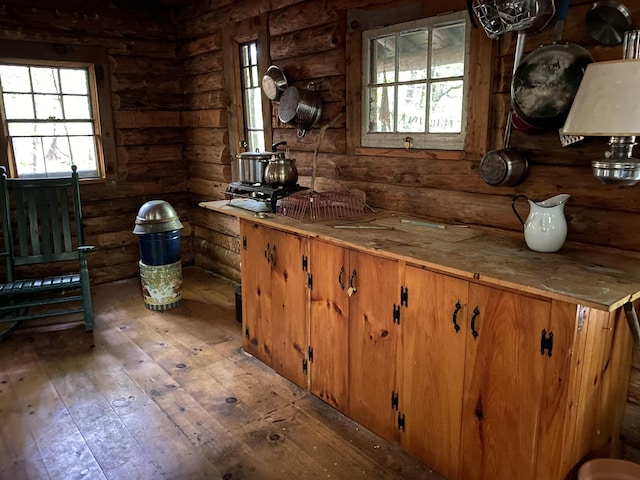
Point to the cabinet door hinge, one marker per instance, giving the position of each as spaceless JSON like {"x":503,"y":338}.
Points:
{"x":305,"y":263}
{"x":404,"y":296}
{"x":394,"y":400}
{"x":246,"y":332}
{"x":396,"y":314}
{"x":546,"y":343}
{"x":310,"y":353}
{"x":310,"y":281}
{"x":304,"y":366}
{"x":244,"y":242}
{"x":401,"y":422}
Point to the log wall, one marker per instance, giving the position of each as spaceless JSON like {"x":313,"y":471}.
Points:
{"x":147,"y":105}
{"x":307,"y":39}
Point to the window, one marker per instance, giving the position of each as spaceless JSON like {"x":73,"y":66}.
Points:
{"x":246,"y":59}
{"x":55,"y":110}
{"x":251,"y":97}
{"x":415,"y":85}
{"x":49,"y":118}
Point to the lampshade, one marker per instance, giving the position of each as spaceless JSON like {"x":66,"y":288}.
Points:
{"x":607,"y":102}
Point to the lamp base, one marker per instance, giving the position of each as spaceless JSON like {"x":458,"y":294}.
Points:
{"x":618,"y":166}
{"x":625,"y":172}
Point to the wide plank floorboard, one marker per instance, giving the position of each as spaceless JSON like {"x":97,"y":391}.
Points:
{"x":171,"y":395}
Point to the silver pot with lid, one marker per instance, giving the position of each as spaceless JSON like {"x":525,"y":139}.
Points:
{"x":252,"y":165}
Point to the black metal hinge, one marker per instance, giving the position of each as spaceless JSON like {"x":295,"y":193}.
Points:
{"x":246,"y":332}
{"x":546,"y":343}
{"x":404,"y":296}
{"x":244,"y":242}
{"x":310,"y":354}
{"x":401,"y":422}
{"x":396,"y":314}
{"x":304,"y":366}
{"x":394,"y":400}
{"x":305,"y":263}
{"x":310,"y":281}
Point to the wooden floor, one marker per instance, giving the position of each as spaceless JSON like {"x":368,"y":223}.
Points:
{"x":170,"y":395}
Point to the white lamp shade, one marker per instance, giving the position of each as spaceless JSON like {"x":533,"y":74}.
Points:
{"x":607,"y":102}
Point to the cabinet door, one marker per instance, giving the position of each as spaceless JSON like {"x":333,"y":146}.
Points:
{"x":287,"y":340}
{"x":372,"y":342}
{"x":256,"y":290}
{"x":274,"y":299}
{"x":504,"y":378}
{"x":329,"y":323}
{"x":431,"y":361}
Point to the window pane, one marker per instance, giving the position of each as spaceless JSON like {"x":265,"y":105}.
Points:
{"x":48,"y":106}
{"x":15,"y":78}
{"x":244,"y":55}
{"x":83,"y":152}
{"x":57,"y":154}
{"x":383,"y":59}
{"x":45,"y":80}
{"x":50,"y":129}
{"x":74,"y":81}
{"x":448,"y":51}
{"x":254,"y":53}
{"x":381,"y":109}
{"x":76,"y":107}
{"x":445,"y":113}
{"x":18,"y":106}
{"x":412,"y":108}
{"x":246,"y":81}
{"x":412,"y":56}
{"x":254,"y":109}
{"x":254,"y":76}
{"x":28,"y":155}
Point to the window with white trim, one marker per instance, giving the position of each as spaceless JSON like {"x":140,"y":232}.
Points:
{"x":50,"y":118}
{"x":415,"y":85}
{"x":252,"y":97}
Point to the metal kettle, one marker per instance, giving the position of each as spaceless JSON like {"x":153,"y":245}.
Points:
{"x":281,"y":171}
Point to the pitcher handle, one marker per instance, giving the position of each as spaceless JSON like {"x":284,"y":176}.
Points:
{"x":513,"y":206}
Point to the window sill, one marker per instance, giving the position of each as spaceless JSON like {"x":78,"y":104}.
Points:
{"x":410,"y":153}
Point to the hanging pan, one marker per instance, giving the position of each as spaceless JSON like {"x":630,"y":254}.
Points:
{"x":607,"y":22}
{"x":506,"y":167}
{"x":546,"y":81}
{"x":274,"y":83}
{"x":301,"y":109}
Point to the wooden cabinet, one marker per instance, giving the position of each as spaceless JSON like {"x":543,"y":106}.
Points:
{"x":503,"y":385}
{"x":353,"y":338}
{"x":373,"y":340}
{"x":329,"y":324}
{"x":431,"y":365}
{"x":478,"y":381}
{"x":275,"y":299}
{"x":496,"y":384}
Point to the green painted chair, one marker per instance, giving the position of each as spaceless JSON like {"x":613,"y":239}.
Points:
{"x":42,"y":224}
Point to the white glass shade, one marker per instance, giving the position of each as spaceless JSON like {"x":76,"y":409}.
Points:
{"x":607,"y":102}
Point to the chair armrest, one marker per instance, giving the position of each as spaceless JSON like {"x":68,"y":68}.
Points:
{"x":86,"y":248}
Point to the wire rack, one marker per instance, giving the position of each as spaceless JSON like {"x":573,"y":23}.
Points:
{"x":498,"y":17}
{"x":321,"y":206}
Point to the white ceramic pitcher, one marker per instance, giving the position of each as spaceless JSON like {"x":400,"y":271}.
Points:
{"x":546,"y":227}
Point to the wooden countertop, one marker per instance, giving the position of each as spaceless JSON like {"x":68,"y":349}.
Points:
{"x":599,"y":280}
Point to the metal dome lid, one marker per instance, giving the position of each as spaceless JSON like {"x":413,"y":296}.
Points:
{"x":156,"y":216}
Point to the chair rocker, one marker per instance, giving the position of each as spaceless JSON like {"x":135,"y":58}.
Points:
{"x":42,"y":225}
